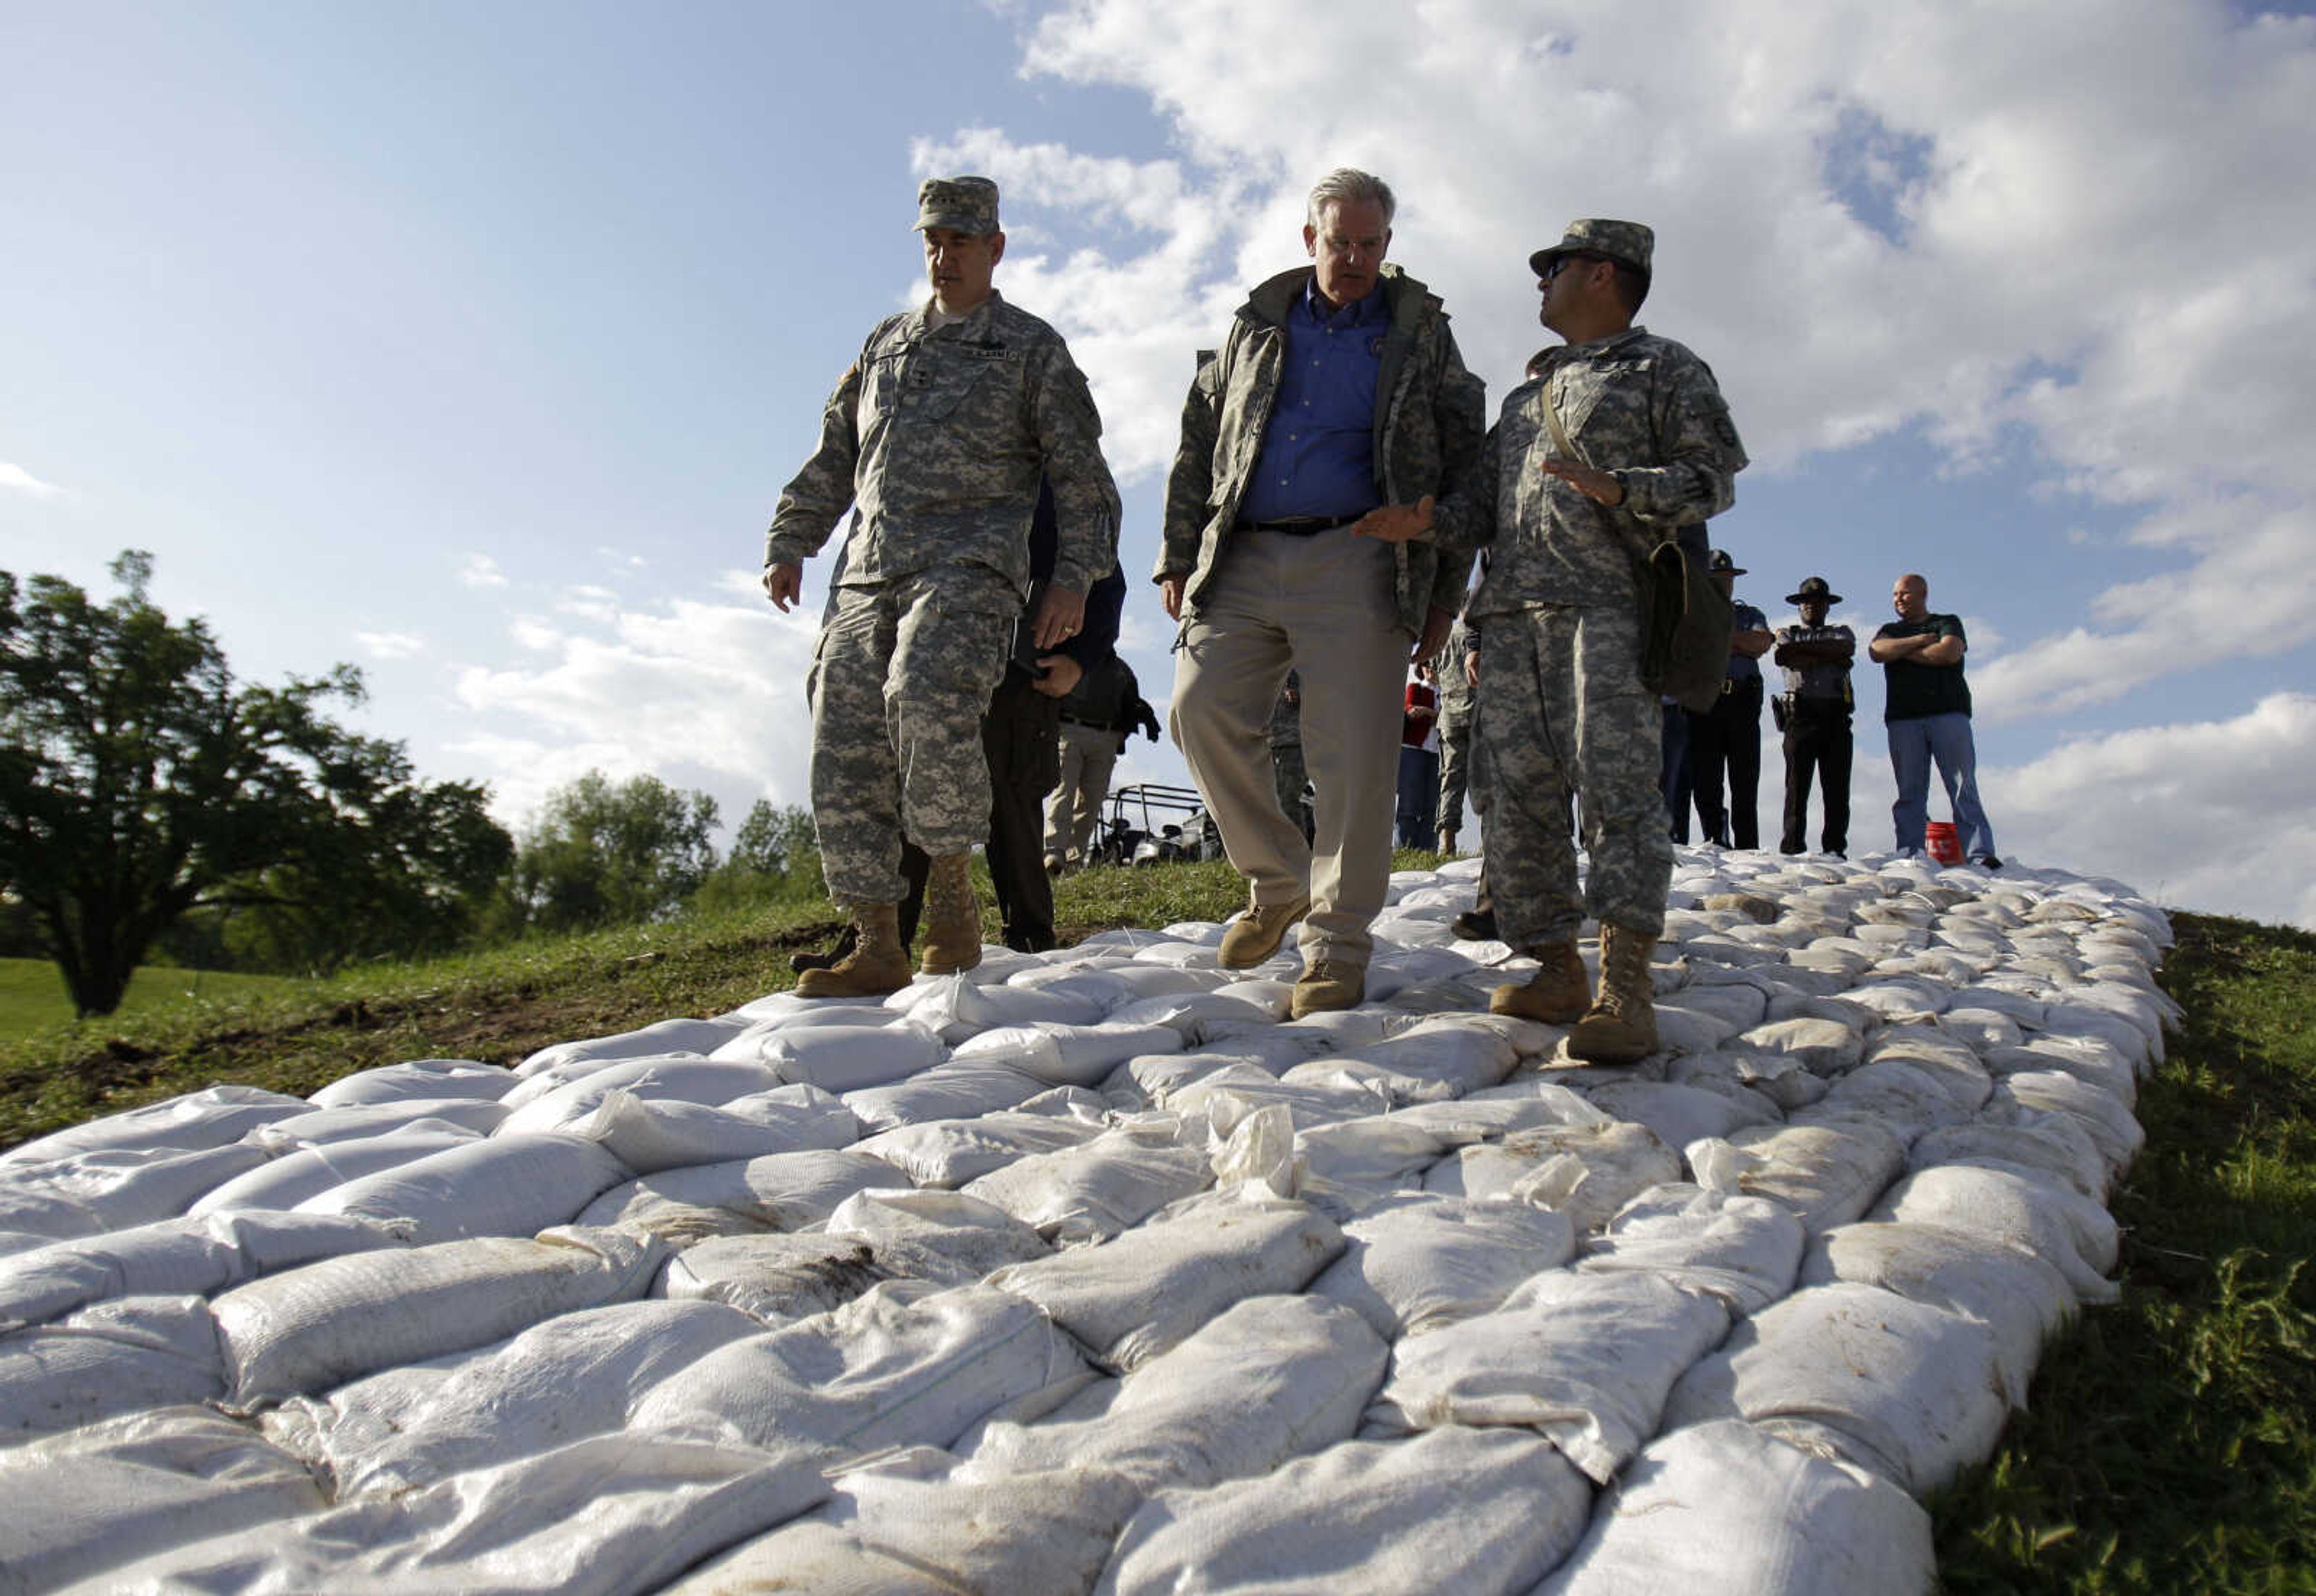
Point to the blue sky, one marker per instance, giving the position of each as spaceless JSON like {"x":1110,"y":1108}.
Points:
{"x":472,"y":343}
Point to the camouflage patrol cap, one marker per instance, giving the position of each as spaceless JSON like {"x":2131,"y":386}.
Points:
{"x":1628,"y":242}
{"x":966,"y":204}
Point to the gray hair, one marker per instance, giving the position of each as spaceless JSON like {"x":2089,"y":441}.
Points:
{"x":1347,"y":185}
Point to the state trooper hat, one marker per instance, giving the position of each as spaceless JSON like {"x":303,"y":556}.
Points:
{"x":1814,"y":587}
{"x":1628,"y":242}
{"x":1721,"y":564}
{"x":965,"y":204}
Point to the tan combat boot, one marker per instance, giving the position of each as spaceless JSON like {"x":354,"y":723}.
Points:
{"x":952,"y":918}
{"x":1621,"y":1025}
{"x":1446,"y":842}
{"x":877,"y":964}
{"x":1256,"y":934}
{"x":1557,"y":994}
{"x":1326,"y":986}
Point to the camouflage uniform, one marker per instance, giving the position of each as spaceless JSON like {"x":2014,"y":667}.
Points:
{"x":1428,"y":416}
{"x":1456,"y":705}
{"x":1560,"y":621}
{"x":937,"y":437}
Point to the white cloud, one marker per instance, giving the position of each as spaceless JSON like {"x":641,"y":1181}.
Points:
{"x":391,"y":645}
{"x":480,"y":570}
{"x":2207,"y":814}
{"x":24,"y":481}
{"x":715,"y":686}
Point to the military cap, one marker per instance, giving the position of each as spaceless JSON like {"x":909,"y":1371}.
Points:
{"x":1628,"y":242}
{"x":963,"y":204}
{"x":1721,"y":564}
{"x":1814,"y":587}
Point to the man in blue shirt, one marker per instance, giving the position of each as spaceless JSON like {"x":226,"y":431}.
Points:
{"x":1728,"y":736}
{"x":1339,"y":388}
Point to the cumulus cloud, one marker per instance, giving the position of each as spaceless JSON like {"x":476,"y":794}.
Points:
{"x":714,"y":685}
{"x":480,"y":570}
{"x":24,"y":481}
{"x":2204,"y":811}
{"x":391,"y":645}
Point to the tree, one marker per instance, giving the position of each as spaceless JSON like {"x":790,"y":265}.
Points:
{"x":139,"y":782}
{"x":599,"y":853}
{"x":775,"y":854}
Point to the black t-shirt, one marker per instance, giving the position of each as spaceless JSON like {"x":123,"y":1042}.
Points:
{"x":1910,"y":691}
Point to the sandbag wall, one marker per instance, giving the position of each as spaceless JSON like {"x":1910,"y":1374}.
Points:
{"x":1091,"y":1272}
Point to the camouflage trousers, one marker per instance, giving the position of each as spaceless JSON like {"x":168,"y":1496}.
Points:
{"x":900,"y":680}
{"x":1455,"y":760}
{"x":1565,"y":717}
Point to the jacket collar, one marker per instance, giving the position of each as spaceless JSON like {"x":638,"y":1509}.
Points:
{"x":1404,"y":298}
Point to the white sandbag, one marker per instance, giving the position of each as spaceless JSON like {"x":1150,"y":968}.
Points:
{"x":1953,"y":1064}
{"x":780,"y":1191}
{"x":1415,"y":1263}
{"x":1093,"y":1191}
{"x":1895,"y":1093}
{"x":2021,"y":1299}
{"x":89,"y":1501}
{"x":949,"y":1153}
{"x":1143,"y":1292}
{"x":1984,"y":1029}
{"x":331,"y":1432}
{"x":2056,"y":1143}
{"x":1827,"y":1175}
{"x":1332,"y":1097}
{"x":957,"y":1008}
{"x":1587,"y":1172}
{"x":1274,"y":998}
{"x":667,"y":1036}
{"x":1348,"y":1166}
{"x":1078,"y":1056}
{"x":1357,"y":1075}
{"x":360,"y":1121}
{"x":1743,"y":1250}
{"x":957,"y":1089}
{"x":502,"y":1185}
{"x":187,"y":1123}
{"x":902,"y":1365}
{"x":1042,"y":1532}
{"x":1785,"y":1085}
{"x":417,"y":1080}
{"x":946,"y":1237}
{"x":809,"y":1555}
{"x":572,"y":1377}
{"x":561,"y":1108}
{"x":1467,"y":1057}
{"x":2103,"y":1117}
{"x":606,"y":1516}
{"x":1679,"y":1114}
{"x":1190,"y":1013}
{"x":1475,"y":1511}
{"x":774,"y":1277}
{"x":1583,"y":1359}
{"x":117,"y":1357}
{"x":747,"y":1047}
{"x":1155,"y":1077}
{"x":1911,"y":1392}
{"x":2092,"y":1059}
{"x":113,"y":1188}
{"x":1272,"y":1378}
{"x":308,"y":1329}
{"x":173,"y":1257}
{"x":297,"y":1174}
{"x":648,"y":1137}
{"x":1727,"y":1508}
{"x":2016,"y":1206}
{"x":2065,"y":1020}
{"x":1824,"y":1047}
{"x":1526,"y":1100}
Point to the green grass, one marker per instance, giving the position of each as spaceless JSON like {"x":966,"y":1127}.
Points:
{"x":32,"y":995}
{"x":2171,"y":1442}
{"x":2169,"y":1445}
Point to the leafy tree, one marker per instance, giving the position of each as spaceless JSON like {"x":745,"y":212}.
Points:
{"x":775,"y":854}
{"x":602,"y":854}
{"x":139,"y":782}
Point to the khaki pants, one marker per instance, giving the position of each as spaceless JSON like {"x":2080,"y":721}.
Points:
{"x":1325,"y":603}
{"x":1088,"y":754}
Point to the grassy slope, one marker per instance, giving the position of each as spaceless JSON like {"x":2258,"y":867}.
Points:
{"x":2169,"y":1447}
{"x":32,"y":995}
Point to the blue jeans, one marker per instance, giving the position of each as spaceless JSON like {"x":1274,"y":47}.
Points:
{"x":1945,"y":739}
{"x":1419,"y":796}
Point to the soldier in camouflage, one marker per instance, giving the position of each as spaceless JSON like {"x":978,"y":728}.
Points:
{"x":938,"y":437}
{"x":1618,"y":440}
{"x":1455,"y":669}
{"x":1339,"y":387}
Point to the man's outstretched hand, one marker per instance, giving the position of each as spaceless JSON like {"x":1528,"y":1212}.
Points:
{"x":1396,"y":523}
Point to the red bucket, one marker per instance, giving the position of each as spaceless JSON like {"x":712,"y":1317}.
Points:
{"x":1944,"y":846}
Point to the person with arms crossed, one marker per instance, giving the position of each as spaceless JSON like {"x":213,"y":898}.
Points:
{"x":1618,"y":440}
{"x":1339,"y":387}
{"x":1727,"y":737}
{"x":1926,"y":712}
{"x":938,"y":438}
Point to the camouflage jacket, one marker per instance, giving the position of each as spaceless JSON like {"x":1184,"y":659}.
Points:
{"x":938,"y":439}
{"x":1635,"y":403}
{"x":1429,"y":414}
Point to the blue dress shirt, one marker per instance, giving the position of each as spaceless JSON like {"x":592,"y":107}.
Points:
{"x":1318,"y":452}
